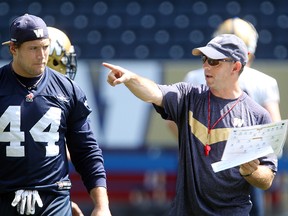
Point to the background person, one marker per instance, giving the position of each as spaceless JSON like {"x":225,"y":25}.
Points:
{"x":41,"y":111}
{"x":62,"y":55}
{"x":211,"y":110}
{"x":265,"y":91}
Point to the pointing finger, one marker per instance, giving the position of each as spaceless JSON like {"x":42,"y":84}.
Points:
{"x":110,"y":66}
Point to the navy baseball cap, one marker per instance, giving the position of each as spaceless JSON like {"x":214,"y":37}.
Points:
{"x":27,"y":28}
{"x":224,"y":46}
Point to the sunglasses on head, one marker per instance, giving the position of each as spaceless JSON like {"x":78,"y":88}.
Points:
{"x":214,"y":62}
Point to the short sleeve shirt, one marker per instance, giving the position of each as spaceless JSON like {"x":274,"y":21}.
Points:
{"x":200,"y":191}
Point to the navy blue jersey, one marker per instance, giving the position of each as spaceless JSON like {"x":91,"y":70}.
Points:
{"x":200,"y":191}
{"x":34,"y":128}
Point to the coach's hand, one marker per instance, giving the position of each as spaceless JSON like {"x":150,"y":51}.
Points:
{"x":117,"y":74}
{"x":25,"y":201}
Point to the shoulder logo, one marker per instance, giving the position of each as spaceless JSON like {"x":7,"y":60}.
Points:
{"x":86,"y":104}
{"x":62,"y":98}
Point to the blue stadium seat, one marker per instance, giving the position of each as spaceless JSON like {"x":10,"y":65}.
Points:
{"x":149,"y":28}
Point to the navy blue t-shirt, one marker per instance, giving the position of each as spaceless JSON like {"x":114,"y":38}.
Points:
{"x":200,"y":191}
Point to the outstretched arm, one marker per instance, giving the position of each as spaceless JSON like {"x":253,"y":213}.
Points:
{"x":143,"y":88}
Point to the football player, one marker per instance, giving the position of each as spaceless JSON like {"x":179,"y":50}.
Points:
{"x":62,"y":56}
{"x":41,"y":111}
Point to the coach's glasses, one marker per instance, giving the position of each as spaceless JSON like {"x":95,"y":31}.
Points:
{"x":214,"y":62}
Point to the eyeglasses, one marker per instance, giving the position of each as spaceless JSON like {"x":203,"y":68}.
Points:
{"x":214,"y":62}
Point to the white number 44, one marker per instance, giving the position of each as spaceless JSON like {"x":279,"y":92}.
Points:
{"x":12,"y":116}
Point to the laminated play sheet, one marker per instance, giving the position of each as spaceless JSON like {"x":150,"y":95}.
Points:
{"x":245,"y":144}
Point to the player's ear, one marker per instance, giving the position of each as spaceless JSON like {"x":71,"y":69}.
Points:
{"x":12,"y":47}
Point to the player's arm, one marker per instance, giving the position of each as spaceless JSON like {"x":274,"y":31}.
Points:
{"x":260,"y":176}
{"x":143,"y":88}
{"x":274,"y":110}
{"x":100,"y":200}
{"x":270,"y":98}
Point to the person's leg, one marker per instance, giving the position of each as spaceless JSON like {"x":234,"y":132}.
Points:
{"x":59,"y":205}
{"x":257,"y":198}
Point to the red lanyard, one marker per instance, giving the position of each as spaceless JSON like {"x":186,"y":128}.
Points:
{"x":207,"y":147}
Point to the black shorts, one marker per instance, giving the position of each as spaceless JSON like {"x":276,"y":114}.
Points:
{"x":53,"y":205}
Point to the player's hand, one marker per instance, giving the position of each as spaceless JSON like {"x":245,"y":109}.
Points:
{"x":101,"y":212}
{"x":25,"y":200}
{"x":117,"y":74}
{"x":249,"y":168}
{"x":76,"y":211}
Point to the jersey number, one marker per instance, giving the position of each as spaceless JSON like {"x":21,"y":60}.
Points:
{"x":38,"y":132}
